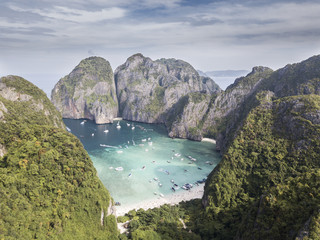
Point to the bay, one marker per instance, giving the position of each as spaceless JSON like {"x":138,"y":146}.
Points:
{"x":148,"y":162}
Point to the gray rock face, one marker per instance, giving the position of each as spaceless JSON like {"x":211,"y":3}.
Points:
{"x":159,"y":92}
{"x":87,"y":92}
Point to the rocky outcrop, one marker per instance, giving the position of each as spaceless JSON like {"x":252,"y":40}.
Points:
{"x":17,"y":89}
{"x":87,"y":92}
{"x":157,"y":92}
{"x":294,"y":79}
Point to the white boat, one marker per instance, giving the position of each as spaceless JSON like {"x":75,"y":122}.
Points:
{"x":144,"y":140}
{"x":154,"y":193}
{"x":161,"y":195}
{"x":68,"y":129}
{"x":92,"y":134}
{"x":119,"y":151}
{"x":106,"y":131}
{"x":118,"y":125}
{"x":133,"y":127}
{"x":82,"y":123}
{"x":128,"y":124}
{"x":150,"y":143}
{"x":119,"y":169}
{"x":160,"y":184}
{"x":156,"y":179}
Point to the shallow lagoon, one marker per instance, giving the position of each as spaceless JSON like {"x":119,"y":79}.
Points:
{"x":150,"y":160}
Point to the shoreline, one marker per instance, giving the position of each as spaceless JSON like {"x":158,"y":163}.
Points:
{"x":183,"y":195}
{"x":209,"y":140}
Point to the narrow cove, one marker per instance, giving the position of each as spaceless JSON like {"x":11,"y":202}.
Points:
{"x":139,"y":163}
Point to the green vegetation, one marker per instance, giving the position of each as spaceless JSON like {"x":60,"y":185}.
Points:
{"x":261,"y":161}
{"x":89,"y":72}
{"x":160,"y":223}
{"x":104,"y":99}
{"x":48,"y":185}
{"x":156,"y":103}
{"x":46,"y":112}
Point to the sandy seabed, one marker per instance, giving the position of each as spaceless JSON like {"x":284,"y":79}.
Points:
{"x":183,"y":195}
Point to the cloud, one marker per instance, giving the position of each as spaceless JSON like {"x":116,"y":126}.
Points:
{"x":74,"y":15}
{"x":213,"y":33}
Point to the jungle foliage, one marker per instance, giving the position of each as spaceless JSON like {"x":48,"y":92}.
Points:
{"x":48,"y":185}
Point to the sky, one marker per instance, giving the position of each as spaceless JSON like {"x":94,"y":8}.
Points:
{"x":43,"y":41}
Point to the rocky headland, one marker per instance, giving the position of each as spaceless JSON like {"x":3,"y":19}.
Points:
{"x":88,"y":92}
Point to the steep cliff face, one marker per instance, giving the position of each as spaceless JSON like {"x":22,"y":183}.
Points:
{"x":294,"y":79}
{"x":147,"y":90}
{"x":48,"y":185}
{"x":87,"y":92}
{"x":16,"y":89}
{"x":269,"y":175}
{"x":166,"y":91}
{"x":227,"y":102}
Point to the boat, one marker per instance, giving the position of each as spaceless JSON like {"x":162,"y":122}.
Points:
{"x":161,"y":195}
{"x":117,"y":204}
{"x":106,"y":131}
{"x":130,"y":174}
{"x":82,"y":123}
{"x":154,"y":193}
{"x":119,"y":168}
{"x":199,"y":168}
{"x":92,"y":134}
{"x":110,"y":167}
{"x":172,"y":180}
{"x":160,"y":184}
{"x":119,"y":151}
{"x":143,"y":167}
{"x":107,"y":146}
{"x":68,"y":129}
{"x":133,"y":127}
{"x":149,"y":139}
{"x":187,"y":186}
{"x":156,"y":179}
{"x":128,"y":124}
{"x":167,"y":172}
{"x":118,"y":125}
{"x":173,"y":189}
{"x":147,"y":150}
{"x":150,"y":143}
{"x":144,"y":140}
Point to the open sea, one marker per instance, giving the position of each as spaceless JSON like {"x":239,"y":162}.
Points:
{"x":139,"y":161}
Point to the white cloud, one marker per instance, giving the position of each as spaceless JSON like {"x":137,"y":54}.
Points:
{"x":75,"y":15}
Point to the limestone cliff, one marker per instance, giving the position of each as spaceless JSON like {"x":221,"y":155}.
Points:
{"x":157,"y":91}
{"x":87,"y":92}
{"x":293,"y":79}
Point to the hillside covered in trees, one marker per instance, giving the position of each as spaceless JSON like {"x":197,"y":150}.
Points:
{"x":48,"y":185}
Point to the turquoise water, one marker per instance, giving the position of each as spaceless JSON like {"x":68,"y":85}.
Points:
{"x":150,"y":160}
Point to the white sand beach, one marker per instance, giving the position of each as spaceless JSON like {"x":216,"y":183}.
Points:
{"x":194,"y":193}
{"x":209,"y":140}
